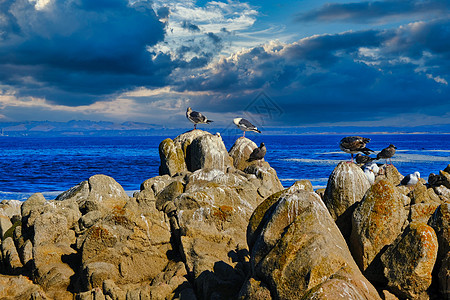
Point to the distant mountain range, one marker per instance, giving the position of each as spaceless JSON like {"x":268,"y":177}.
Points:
{"x":103,"y":128}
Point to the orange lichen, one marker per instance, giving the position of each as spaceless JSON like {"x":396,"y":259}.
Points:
{"x":223,"y":212}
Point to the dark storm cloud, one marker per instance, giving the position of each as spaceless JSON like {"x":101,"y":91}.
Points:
{"x":372,"y":11}
{"x":353,"y":76}
{"x":80,"y":49}
{"x":189,"y":26}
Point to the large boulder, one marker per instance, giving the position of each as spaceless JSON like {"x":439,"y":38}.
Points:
{"x":208,"y":152}
{"x":346,"y":187}
{"x":408,"y":263}
{"x":376,"y":222}
{"x":20,"y":288}
{"x":298,"y":250}
{"x":240,"y":152}
{"x":267,"y":181}
{"x":172,"y":158}
{"x":441,"y":224}
{"x":100,"y":193}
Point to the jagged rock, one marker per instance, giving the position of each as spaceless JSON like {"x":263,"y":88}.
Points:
{"x":240,"y":152}
{"x":5,"y":224}
{"x":32,"y":207}
{"x":300,"y":248}
{"x":26,"y":252}
{"x":391,"y":174}
{"x":443,"y":193}
{"x":376,"y":222}
{"x":441,"y":224}
{"x":254,"y":290}
{"x":100,"y":192}
{"x":172,"y":158}
{"x":124,"y":243}
{"x":11,"y":257}
{"x":213,"y":210}
{"x":208,"y":152}
{"x":113,"y":291}
{"x":184,"y":140}
{"x":94,"y":294}
{"x":171,"y":282}
{"x":346,"y":187}
{"x":172,"y":191}
{"x":20,"y":288}
{"x":408,"y":263}
{"x":10,"y":208}
{"x":268,"y":182}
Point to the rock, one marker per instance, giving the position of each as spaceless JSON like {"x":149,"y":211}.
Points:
{"x":172,"y":158}
{"x":97,"y":272}
{"x":32,"y":207}
{"x":5,"y":224}
{"x":346,"y":187}
{"x":100,"y":192}
{"x":172,"y":191}
{"x":240,"y":152}
{"x":113,"y":291}
{"x":10,"y":208}
{"x":443,"y":192}
{"x":392,"y":175}
{"x":170,"y":282}
{"x":408,"y":263}
{"x":11,"y":257}
{"x":300,"y":248}
{"x":208,"y":152}
{"x":268,"y":182}
{"x":20,"y":288}
{"x":376,"y":222}
{"x":254,"y":289}
{"x":441,"y":224}
{"x":184,"y":141}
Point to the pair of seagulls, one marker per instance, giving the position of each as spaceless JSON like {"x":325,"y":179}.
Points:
{"x":355,"y":144}
{"x":243,"y":124}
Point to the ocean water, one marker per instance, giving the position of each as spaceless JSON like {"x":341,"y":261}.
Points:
{"x":53,"y":165}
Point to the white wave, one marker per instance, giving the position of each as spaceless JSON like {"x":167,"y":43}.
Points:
{"x":445,"y":151}
{"x":331,"y":152}
{"x":419,"y":158}
{"x":314,"y":161}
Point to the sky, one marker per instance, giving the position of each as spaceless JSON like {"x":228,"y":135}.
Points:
{"x":295,"y":63}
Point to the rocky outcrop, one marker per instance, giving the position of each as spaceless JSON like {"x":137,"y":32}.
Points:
{"x":409,"y":261}
{"x":377,"y":221}
{"x":240,"y":152}
{"x":182,"y":236}
{"x":299,"y":253}
{"x":346,"y":187}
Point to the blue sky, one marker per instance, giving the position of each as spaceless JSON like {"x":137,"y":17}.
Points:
{"x":320,"y":63}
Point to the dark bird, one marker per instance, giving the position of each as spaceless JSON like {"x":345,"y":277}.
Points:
{"x":245,"y":125}
{"x":410,"y":179}
{"x":387,"y":153}
{"x":355,"y":144}
{"x":258,"y":153}
{"x":363,"y":159}
{"x":196,"y":117}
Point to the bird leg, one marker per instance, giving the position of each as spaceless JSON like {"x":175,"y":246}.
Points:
{"x":195,"y":126}
{"x":244,"y":134}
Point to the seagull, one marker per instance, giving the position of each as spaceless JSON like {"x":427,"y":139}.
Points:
{"x":245,"y":125}
{"x":374,"y":167}
{"x":355,"y":144}
{"x":368,"y":171}
{"x":410,"y":179}
{"x":258,"y":153}
{"x":196,"y":117}
{"x":363,"y":159}
{"x":387,"y":152}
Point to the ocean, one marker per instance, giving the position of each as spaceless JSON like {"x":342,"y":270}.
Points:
{"x":52,"y":165}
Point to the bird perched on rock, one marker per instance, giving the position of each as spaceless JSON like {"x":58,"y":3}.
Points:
{"x":373,"y":166}
{"x":387,"y":153}
{"x":355,"y":144}
{"x":196,"y":117}
{"x":410,"y":179}
{"x":245,"y":125}
{"x":368,"y":171}
{"x":258,"y":153}
{"x":363,"y":159}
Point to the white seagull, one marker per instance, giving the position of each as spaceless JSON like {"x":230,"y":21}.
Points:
{"x":368,"y":171}
{"x":245,"y":125}
{"x":410,"y":179}
{"x":196,"y":117}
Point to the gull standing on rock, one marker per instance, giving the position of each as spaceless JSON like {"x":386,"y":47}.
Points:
{"x":245,"y":125}
{"x":368,"y":171}
{"x":363,"y":159}
{"x":258,"y":153}
{"x":386,"y":153}
{"x":196,"y":117}
{"x":410,"y":179}
{"x":355,"y":144}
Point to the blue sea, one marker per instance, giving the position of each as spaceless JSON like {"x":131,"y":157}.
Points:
{"x":52,"y":165}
